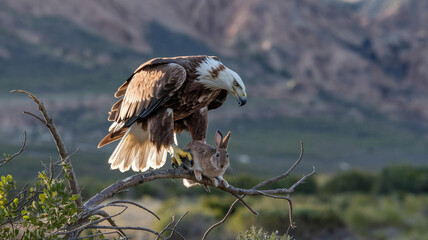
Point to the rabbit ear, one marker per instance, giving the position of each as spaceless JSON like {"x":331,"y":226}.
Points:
{"x":218,"y":138}
{"x":225,"y":141}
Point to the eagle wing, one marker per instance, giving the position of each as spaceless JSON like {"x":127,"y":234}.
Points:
{"x":151,"y":85}
{"x":218,"y":101}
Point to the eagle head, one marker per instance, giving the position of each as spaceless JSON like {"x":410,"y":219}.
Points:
{"x":213,"y":74}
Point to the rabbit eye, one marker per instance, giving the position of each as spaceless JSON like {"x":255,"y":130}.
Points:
{"x":217,"y":154}
{"x":227,"y":155}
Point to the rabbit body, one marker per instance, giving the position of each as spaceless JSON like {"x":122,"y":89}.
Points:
{"x":209,"y":161}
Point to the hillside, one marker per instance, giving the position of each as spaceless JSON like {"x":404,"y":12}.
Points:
{"x":332,"y":73}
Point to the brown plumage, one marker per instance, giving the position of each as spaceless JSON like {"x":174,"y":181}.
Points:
{"x":162,"y":97}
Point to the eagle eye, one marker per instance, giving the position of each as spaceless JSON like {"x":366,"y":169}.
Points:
{"x":235,"y":83}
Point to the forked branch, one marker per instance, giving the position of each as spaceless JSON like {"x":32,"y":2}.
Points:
{"x":270,"y":193}
{"x":47,"y":121}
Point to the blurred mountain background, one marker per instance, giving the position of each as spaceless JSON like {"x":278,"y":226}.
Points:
{"x":349,"y":78}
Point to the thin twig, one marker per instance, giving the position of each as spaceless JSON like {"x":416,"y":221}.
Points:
{"x":23,"y":147}
{"x":166,"y":227}
{"x":96,"y":235}
{"x":135,"y":204}
{"x":126,"y":228}
{"x":290,"y":206}
{"x":173,"y":229}
{"x":221,"y":221}
{"x":245,"y":204}
{"x":36,"y":117}
{"x":110,"y":220}
{"x":71,"y":177}
{"x":87,"y":225}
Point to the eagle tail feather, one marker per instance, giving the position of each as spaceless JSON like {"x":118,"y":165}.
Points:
{"x":136,"y":151}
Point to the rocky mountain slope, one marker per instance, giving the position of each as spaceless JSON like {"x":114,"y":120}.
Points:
{"x":343,"y":58}
{"x":347,"y":77}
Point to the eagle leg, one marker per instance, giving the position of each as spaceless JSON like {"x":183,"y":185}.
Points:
{"x":179,"y":155}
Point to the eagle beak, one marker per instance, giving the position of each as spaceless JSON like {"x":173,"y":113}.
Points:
{"x":241,"y":98}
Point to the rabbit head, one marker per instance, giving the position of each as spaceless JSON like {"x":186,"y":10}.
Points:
{"x":220,"y":158}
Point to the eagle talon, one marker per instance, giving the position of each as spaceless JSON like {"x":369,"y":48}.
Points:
{"x":191,"y":163}
{"x":179,"y":156}
{"x":184,"y":166}
{"x":174,"y":165}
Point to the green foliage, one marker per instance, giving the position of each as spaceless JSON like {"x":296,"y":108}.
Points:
{"x":350,"y":181}
{"x":7,"y":207}
{"x":403,"y":178}
{"x":377,"y":217}
{"x":255,"y":233}
{"x":49,"y":207}
{"x":219,"y":205}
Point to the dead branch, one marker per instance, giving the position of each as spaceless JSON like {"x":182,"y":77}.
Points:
{"x":168,"y":228}
{"x":239,"y":198}
{"x":125,"y":228}
{"x":96,"y":235}
{"x":269,"y":193}
{"x":23,"y":147}
{"x":47,"y":121}
{"x":110,"y":220}
{"x":142,"y":178}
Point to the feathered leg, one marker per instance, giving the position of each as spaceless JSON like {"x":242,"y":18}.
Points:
{"x":161,"y":133}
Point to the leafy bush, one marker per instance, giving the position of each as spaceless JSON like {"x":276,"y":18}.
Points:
{"x":403,"y":178}
{"x":350,"y":181}
{"x":52,"y":207}
{"x":243,"y":180}
{"x":255,"y":233}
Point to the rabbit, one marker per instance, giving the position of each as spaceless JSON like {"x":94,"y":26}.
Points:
{"x":209,"y":161}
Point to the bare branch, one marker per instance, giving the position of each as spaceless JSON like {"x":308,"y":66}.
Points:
{"x":36,"y":117}
{"x":71,"y":177}
{"x":83,"y":223}
{"x":142,"y":178}
{"x":95,"y":235}
{"x":135,"y":204}
{"x":110,"y":220}
{"x":245,"y":204}
{"x":126,"y":228}
{"x":221,"y":221}
{"x":284,"y":175}
{"x":268,"y":192}
{"x":167,"y":228}
{"x":23,"y":147}
{"x":290,"y":206}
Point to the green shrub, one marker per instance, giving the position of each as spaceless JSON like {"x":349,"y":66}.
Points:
{"x":243,"y":180}
{"x":350,"y":181}
{"x":255,"y":233}
{"x":403,"y":178}
{"x":52,"y":207}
